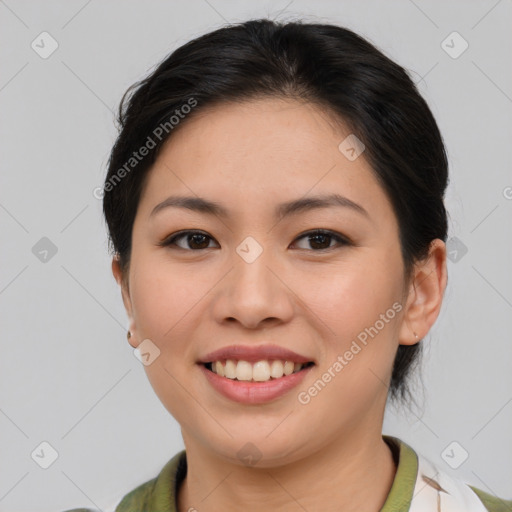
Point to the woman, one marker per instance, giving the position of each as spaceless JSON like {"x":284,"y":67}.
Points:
{"x":275,"y":207}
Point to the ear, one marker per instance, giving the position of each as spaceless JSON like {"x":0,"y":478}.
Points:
{"x":425,"y":296}
{"x":122,"y":281}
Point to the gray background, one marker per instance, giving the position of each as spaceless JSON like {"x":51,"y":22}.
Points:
{"x":69,"y":377}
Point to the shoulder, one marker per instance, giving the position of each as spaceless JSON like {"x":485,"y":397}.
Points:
{"x":493,"y":503}
{"x":155,"y":495}
{"x":138,"y":498}
{"x":159,"y":493}
{"x":135,"y":501}
{"x":81,"y":510}
{"x":432,"y":481}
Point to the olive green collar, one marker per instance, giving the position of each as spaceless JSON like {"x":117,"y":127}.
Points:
{"x":160,"y":493}
{"x":401,"y":492}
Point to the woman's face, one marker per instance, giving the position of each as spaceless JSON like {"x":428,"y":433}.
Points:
{"x":256,"y":278}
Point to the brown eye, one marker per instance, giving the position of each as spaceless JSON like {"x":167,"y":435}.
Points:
{"x":320,"y":240}
{"x":194,"y":240}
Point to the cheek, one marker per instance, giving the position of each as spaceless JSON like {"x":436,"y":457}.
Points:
{"x":164,"y":297}
{"x":360,"y":311}
{"x":165,"y":300}
{"x":359,"y":304}
{"x":353,"y":295}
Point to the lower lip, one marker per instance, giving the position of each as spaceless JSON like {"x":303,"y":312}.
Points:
{"x":248,"y":392}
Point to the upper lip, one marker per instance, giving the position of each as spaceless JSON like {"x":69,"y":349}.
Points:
{"x":253,"y":354}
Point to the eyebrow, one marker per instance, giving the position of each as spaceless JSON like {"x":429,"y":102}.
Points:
{"x":201,"y":205}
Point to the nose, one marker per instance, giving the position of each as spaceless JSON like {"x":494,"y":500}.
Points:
{"x":254,"y":292}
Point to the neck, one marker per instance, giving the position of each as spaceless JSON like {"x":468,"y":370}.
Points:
{"x":351,"y":474}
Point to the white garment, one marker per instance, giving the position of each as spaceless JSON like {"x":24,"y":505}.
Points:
{"x":436,"y":491}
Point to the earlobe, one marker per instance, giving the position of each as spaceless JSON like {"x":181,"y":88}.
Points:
{"x":118,"y":275}
{"x":425,"y":296}
{"x":131,"y":339}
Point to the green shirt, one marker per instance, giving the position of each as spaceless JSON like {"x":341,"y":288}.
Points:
{"x":159,"y":494}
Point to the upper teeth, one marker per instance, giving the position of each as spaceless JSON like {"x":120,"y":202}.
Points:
{"x":260,"y":371}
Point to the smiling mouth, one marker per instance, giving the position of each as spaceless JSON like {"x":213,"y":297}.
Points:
{"x":261,"y":371}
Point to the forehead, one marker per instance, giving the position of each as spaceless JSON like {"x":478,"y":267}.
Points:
{"x":261,"y":152}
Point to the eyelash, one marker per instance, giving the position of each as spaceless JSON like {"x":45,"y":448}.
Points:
{"x":342,"y":240}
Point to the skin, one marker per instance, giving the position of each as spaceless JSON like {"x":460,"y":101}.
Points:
{"x":328,"y":454}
